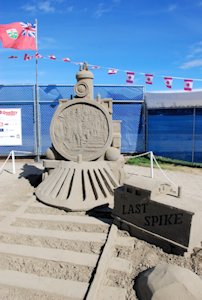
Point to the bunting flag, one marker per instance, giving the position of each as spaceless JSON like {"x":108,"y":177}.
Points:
{"x":27,"y":57}
{"x":37,"y":55}
{"x":66,"y":59}
{"x":112,"y":71}
{"x":18,"y":35}
{"x":149,"y":78}
{"x":168,"y":82}
{"x":188,"y":84}
{"x":53,"y":57}
{"x":130,"y":77}
{"x":95,"y":67}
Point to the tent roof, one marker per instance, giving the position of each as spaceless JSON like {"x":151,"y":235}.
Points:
{"x":174,"y":99}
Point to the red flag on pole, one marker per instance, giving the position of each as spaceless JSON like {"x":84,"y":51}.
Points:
{"x":149,"y":78}
{"x":168,"y":82}
{"x":18,"y":35}
{"x":188,"y":84}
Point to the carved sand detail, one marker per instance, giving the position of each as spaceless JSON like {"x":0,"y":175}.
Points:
{"x":81,"y":128}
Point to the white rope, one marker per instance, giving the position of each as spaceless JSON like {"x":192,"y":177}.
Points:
{"x":152,"y":157}
{"x":12,"y":154}
{"x":26,"y":152}
{"x":143,"y":154}
{"x":163,"y":172}
{"x":1,"y":169}
{"x":151,"y":161}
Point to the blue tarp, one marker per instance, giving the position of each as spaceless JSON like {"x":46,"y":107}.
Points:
{"x":176,"y":133}
{"x":22,"y":96}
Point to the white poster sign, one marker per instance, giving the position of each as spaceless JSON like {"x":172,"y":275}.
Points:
{"x":10,"y":127}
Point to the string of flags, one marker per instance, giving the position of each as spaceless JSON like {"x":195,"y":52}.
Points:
{"x":23,"y":36}
{"x":130,"y":75}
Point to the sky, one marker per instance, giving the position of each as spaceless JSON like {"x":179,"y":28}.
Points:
{"x":159,"y":37}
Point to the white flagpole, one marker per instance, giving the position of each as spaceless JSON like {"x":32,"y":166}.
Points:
{"x":37,"y":114}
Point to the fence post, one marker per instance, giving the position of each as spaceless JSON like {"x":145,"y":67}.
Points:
{"x":13,"y":161}
{"x":151,"y":165}
{"x":37,"y":122}
{"x":193,"y":134}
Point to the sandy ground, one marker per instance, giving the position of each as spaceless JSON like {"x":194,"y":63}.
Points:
{"x":14,"y":187}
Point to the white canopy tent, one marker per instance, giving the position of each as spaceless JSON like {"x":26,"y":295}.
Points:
{"x":174,"y":99}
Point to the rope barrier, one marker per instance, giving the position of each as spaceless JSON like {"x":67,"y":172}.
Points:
{"x":1,"y":169}
{"x":153,"y":158}
{"x":12,"y":155}
{"x":163,"y":172}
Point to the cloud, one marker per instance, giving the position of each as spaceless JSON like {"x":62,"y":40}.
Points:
{"x":103,"y":8}
{"x":46,"y":7}
{"x":164,"y":10}
{"x":30,"y":8}
{"x":194,"y":57}
{"x":195,"y":50}
{"x":192,"y":64}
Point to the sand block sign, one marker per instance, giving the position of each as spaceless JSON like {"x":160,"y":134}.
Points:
{"x":136,"y":206}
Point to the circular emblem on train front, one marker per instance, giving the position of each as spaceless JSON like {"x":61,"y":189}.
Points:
{"x":81,"y":89}
{"x":81,"y":128}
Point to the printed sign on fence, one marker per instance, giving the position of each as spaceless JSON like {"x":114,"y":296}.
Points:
{"x":10,"y":127}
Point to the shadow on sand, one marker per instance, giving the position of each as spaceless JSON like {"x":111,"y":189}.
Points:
{"x":32,"y":174}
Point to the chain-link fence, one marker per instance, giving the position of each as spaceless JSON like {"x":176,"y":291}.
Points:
{"x":128,"y":107}
{"x":174,"y":133}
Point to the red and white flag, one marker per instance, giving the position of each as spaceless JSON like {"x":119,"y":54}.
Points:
{"x":66,"y":59}
{"x":168,"y":82}
{"x":18,"y":35}
{"x":130,"y":77}
{"x":27,"y":57}
{"x":188,"y":84}
{"x":12,"y":56}
{"x":149,"y":78}
{"x":37,"y":55}
{"x":95,"y":67}
{"x":53,"y":57}
{"x":112,"y":71}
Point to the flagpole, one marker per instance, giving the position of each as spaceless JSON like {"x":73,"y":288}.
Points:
{"x":37,"y":113}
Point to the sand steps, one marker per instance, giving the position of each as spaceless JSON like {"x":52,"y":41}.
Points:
{"x":71,"y":235}
{"x":71,"y":287}
{"x":67,"y":288}
{"x":50,"y":254}
{"x":68,"y":218}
